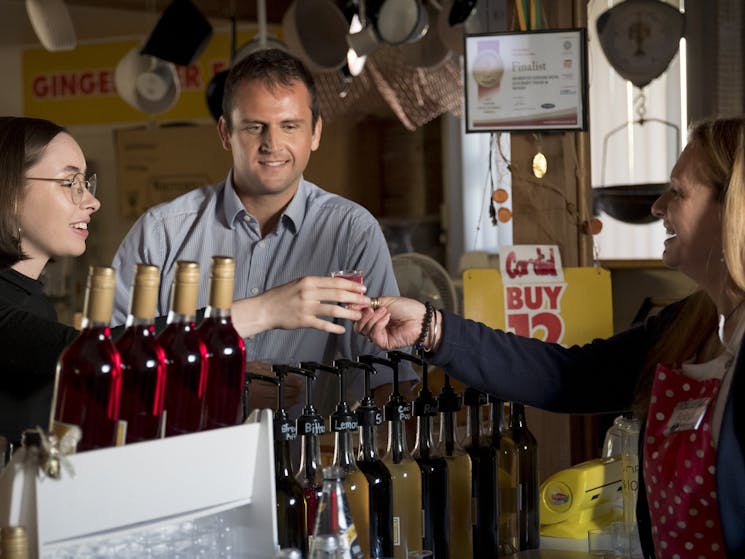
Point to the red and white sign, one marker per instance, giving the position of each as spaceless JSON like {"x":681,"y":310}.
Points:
{"x":533,"y":280}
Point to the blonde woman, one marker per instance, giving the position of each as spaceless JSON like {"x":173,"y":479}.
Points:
{"x":682,"y":371}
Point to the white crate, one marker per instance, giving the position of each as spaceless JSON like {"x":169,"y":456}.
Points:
{"x":212,"y":484}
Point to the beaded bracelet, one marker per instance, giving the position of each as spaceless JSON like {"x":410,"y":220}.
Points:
{"x":426,"y":323}
{"x":436,"y":323}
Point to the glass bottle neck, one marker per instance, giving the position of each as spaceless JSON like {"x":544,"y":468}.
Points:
{"x":368,"y":449}
{"x":425,"y":446}
{"x":448,"y":428}
{"x":217,"y":312}
{"x":517,"y":419}
{"x":473,"y":425}
{"x":283,"y":463}
{"x":139,"y":322}
{"x":180,"y":318}
{"x":310,"y":459}
{"x":397,"y":449}
{"x":343,"y":453}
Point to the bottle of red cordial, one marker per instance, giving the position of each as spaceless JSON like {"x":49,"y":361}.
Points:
{"x":226,"y":352}
{"x":89,"y":372}
{"x":143,"y":361}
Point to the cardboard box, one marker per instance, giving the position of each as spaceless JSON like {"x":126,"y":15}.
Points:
{"x":158,"y":163}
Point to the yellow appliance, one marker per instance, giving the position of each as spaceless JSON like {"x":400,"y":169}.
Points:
{"x":581,"y":498}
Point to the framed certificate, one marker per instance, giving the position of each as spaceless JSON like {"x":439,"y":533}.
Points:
{"x":532,"y":80}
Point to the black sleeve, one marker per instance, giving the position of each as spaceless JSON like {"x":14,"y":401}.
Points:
{"x":594,"y":378}
{"x":31,"y":343}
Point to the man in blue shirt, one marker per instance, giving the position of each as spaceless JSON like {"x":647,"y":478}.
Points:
{"x":276,"y":225}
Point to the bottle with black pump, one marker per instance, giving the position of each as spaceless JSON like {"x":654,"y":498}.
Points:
{"x":405,"y":473}
{"x":292,"y":527}
{"x":434,"y":472}
{"x":507,"y":477}
{"x":527,"y":478}
{"x":369,"y":417}
{"x":356,"y":487}
{"x":485,"y":491}
{"x":458,"y":472}
{"x":310,"y":426}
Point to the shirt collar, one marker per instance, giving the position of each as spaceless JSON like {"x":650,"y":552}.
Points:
{"x":292,"y":217}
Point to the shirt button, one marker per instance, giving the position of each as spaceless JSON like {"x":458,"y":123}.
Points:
{"x":246,"y":218}
{"x":262,"y":244}
{"x":254,"y":290}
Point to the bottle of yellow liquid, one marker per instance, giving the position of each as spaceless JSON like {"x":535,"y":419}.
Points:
{"x":356,"y":487}
{"x":459,"y":474}
{"x":406,"y":477}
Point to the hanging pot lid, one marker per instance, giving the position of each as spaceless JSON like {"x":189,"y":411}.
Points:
{"x":451,"y":34}
{"x":429,"y":51}
{"x":401,"y":21}
{"x":148,"y":84}
{"x":316,"y":32}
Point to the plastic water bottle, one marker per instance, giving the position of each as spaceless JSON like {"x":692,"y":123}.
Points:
{"x":335,"y":535}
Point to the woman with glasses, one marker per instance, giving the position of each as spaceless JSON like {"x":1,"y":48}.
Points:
{"x":48,"y":201}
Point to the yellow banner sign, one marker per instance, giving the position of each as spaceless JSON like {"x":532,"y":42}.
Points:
{"x":77,"y":87}
{"x":575,"y":312}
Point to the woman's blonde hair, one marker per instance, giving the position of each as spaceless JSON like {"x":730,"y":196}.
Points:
{"x":722,"y":143}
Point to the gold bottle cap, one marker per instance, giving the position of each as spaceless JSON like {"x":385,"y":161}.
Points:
{"x":222,"y":274}
{"x":99,"y":294}
{"x":185,"y":287}
{"x":145,"y":291}
{"x":14,"y":542}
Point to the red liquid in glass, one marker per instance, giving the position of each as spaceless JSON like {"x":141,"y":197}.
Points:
{"x":353,"y":277}
{"x":143,"y":382}
{"x":312,"y":497}
{"x":227,"y":372}
{"x":186,"y":384}
{"x":88,"y":393}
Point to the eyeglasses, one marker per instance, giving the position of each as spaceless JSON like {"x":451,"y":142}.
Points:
{"x":78,"y":185}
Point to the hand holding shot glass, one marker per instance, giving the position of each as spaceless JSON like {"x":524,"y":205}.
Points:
{"x":353,"y":275}
{"x":358,"y":276}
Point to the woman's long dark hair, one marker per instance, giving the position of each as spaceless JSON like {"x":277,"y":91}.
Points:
{"x":22,"y":143}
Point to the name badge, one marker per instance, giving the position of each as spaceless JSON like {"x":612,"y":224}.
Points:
{"x":687,"y":416}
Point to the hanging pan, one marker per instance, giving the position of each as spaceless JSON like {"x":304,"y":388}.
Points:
{"x":629,"y":203}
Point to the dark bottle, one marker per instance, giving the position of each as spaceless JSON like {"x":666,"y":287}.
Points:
{"x":226,"y":352}
{"x":485,"y":491}
{"x":356,"y":487}
{"x":405,"y":473}
{"x":310,"y":426}
{"x":143,"y":361}
{"x":527,"y":478}
{"x":507,"y":477}
{"x":435,"y":502}
{"x":88,"y":384}
{"x":186,"y":355}
{"x":459,"y":474}
{"x":292,"y":528}
{"x":369,"y":417}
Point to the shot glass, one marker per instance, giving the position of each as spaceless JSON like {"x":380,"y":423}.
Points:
{"x":354,"y":275}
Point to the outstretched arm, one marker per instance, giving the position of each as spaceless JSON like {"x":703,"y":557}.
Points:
{"x":301,"y":303}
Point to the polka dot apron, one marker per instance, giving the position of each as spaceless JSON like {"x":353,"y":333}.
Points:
{"x":679,"y":467}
